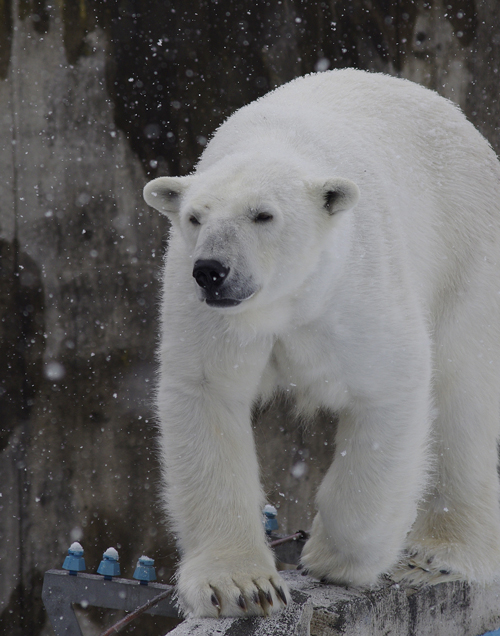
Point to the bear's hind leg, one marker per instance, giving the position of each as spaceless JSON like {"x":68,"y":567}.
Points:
{"x":457,"y":531}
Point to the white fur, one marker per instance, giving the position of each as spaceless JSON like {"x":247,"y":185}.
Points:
{"x":385,"y":310}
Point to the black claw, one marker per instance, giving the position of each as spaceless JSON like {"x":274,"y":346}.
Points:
{"x":215,"y":601}
{"x":269,"y":598}
{"x":430,"y":560}
{"x":445,"y":571}
{"x":256,"y":598}
{"x":242,"y":603}
{"x":305,"y":572}
{"x":411,"y":566}
{"x":281,"y":594}
{"x":300,"y":566}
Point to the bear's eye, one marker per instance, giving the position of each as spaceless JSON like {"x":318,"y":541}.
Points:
{"x":193,"y":220}
{"x":263,"y":217}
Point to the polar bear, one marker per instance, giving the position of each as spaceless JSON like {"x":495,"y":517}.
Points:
{"x":340,"y":238}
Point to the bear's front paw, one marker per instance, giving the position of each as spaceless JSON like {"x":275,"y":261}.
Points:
{"x":238,"y":587}
{"x":321,"y":561}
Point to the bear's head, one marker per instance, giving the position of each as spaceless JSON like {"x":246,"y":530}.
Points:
{"x":254,"y":229}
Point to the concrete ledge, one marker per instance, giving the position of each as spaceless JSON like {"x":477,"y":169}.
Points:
{"x":295,"y":621}
{"x":448,"y":609}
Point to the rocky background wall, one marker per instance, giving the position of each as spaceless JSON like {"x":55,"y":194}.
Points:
{"x":96,"y":97}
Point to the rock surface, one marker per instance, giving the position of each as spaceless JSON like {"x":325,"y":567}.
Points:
{"x":449,"y":609}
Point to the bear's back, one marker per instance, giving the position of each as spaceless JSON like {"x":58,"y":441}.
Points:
{"x":358,"y":115}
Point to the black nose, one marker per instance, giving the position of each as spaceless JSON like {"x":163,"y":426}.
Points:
{"x":209,"y":274}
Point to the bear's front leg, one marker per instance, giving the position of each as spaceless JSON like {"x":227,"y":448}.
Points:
{"x":214,"y":497}
{"x":368,"y":499}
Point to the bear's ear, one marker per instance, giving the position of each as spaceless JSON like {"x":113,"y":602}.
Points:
{"x":335,"y":195}
{"x":165,"y":193}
